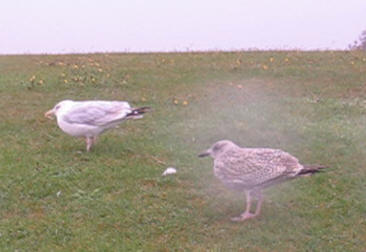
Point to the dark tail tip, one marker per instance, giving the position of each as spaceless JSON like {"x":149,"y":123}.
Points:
{"x":139,"y":111}
{"x":142,"y":110}
{"x":311,"y":169}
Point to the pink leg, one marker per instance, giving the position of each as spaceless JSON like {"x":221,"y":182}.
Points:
{"x":259,"y":204}
{"x":89,"y":143}
{"x":94,"y":140}
{"x":245,"y":215}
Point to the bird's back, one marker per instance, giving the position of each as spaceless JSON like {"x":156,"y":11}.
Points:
{"x":247,"y":168}
{"x":90,"y":118}
{"x":96,"y":113}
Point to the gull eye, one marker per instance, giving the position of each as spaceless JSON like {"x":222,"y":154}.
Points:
{"x":57,"y":107}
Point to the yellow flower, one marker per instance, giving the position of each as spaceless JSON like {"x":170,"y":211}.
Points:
{"x":32,"y":78}
{"x":176,"y":101}
{"x":143,"y":99}
{"x":66,"y":81}
{"x":76,"y":66}
{"x":63,"y":74}
{"x":286,"y":60}
{"x":100,"y":70}
{"x":271,"y":59}
{"x":265,"y":67}
{"x":185,"y":103}
{"x":40,"y":82}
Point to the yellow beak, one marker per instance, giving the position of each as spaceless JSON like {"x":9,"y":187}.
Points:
{"x":49,"y":114}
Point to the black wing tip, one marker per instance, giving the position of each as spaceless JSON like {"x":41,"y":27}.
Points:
{"x":315,"y":166}
{"x":141,"y":110}
{"x":311,"y":169}
{"x":138,"y":111}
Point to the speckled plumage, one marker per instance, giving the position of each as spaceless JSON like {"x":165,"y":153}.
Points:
{"x":252,"y":169}
{"x":247,"y":168}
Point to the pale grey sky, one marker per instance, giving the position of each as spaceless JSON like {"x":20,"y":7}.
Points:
{"x":78,"y":26}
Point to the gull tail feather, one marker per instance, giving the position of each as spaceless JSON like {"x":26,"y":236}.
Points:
{"x":311,"y":169}
{"x":138,"y":112}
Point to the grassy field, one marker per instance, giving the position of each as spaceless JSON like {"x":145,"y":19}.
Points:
{"x":56,"y":197}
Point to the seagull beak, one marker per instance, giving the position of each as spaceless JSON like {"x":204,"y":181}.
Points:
{"x":204,"y":154}
{"x":49,"y":114}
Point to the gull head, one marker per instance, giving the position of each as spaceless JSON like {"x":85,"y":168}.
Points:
{"x":218,"y":148}
{"x":57,"y":108}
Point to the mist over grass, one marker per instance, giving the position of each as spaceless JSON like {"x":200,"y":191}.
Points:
{"x":55,"y":196}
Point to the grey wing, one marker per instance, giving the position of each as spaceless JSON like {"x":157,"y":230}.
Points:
{"x":97,"y":113}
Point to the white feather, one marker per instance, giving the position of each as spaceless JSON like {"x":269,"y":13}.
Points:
{"x":169,"y":171}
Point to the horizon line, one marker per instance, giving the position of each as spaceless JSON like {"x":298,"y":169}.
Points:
{"x":181,"y":51}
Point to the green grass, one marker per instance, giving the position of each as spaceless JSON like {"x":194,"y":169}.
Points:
{"x":56,"y":197}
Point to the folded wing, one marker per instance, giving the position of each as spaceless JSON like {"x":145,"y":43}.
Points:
{"x":256,"y":167}
{"x":97,"y":113}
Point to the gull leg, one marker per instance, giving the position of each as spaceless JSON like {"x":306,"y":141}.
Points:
{"x":89,"y":143}
{"x":245,"y":215}
{"x":94,"y":140}
{"x":259,"y":203}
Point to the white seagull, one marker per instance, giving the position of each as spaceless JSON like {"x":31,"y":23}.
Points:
{"x":90,"y":118}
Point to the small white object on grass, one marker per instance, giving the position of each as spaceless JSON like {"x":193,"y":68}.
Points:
{"x":169,"y":171}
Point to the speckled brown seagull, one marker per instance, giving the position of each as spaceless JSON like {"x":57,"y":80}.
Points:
{"x":252,"y":169}
{"x":91,"y":118}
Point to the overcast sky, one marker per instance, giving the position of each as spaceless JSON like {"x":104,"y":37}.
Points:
{"x":78,"y":26}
